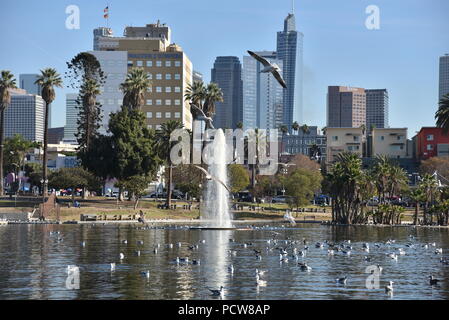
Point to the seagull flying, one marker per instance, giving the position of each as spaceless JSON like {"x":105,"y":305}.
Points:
{"x":210,"y":177}
{"x":269,"y":67}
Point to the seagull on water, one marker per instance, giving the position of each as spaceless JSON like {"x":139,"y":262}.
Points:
{"x":145,"y":274}
{"x":259,"y":282}
{"x":112,"y":266}
{"x":342,"y":280}
{"x":121,"y":256}
{"x":231,"y":269}
{"x":219,"y":292}
{"x":433,"y":281}
{"x":439,"y":251}
{"x":269,"y":67}
{"x":304,"y":267}
{"x":389,"y":287}
{"x":210,"y":177}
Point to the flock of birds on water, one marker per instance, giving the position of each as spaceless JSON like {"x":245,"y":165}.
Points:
{"x":289,"y":250}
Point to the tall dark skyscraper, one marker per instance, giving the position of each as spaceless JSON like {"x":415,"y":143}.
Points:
{"x":227,"y":73}
{"x":290,"y":51}
{"x":377,"y":105}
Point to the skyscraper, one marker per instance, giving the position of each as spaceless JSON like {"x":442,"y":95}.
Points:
{"x":346,"y":107}
{"x":377,"y":105}
{"x":25,"y":116}
{"x":71,"y":116}
{"x":262,"y":94}
{"x":27,"y":82}
{"x":290,"y":51}
{"x":227,"y":73}
{"x":444,"y":76}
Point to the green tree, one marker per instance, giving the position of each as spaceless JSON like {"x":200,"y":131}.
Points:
{"x":33,"y":171}
{"x":213,"y":95}
{"x":164,"y":146}
{"x":187,"y":179}
{"x":301,"y":187}
{"x":136,"y":187}
{"x":442,"y":114}
{"x":136,"y":84}
{"x":295,"y":126}
{"x":416,"y":196}
{"x":429,"y":186}
{"x":16,"y":149}
{"x":239,"y":177}
{"x":48,"y":80}
{"x":73,"y":178}
{"x":7,"y":82}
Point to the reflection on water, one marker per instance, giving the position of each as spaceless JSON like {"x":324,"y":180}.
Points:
{"x":34,"y":260}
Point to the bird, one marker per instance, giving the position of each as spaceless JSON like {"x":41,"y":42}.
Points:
{"x":269,"y":67}
{"x":112,"y":266}
{"x":282,"y":258}
{"x":121,"y":256}
{"x":379,"y":268}
{"x":217,"y":292}
{"x":433,"y":281}
{"x":401,"y":251}
{"x":389,"y":287}
{"x":83,"y":243}
{"x":203,"y":116}
{"x":342,"y":280}
{"x":145,"y":274}
{"x":231,"y":269}
{"x":439,"y":251}
{"x":288,"y":216}
{"x":259,"y":282}
{"x":330,"y":252}
{"x":393,"y":256}
{"x":304,"y":267}
{"x":196,"y":262}
{"x":260,"y":272}
{"x":139,"y":242}
{"x":210,"y":177}
{"x":124,"y":241}
{"x":137,"y":253}
{"x":367,"y":259}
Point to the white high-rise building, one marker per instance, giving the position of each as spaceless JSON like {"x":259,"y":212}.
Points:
{"x":444,"y":76}
{"x":71,"y":116}
{"x":114,"y":64}
{"x":262,"y":94}
{"x":25,"y":116}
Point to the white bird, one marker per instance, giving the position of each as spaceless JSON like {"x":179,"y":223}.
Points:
{"x":439,"y":251}
{"x":259,"y":282}
{"x":145,"y":274}
{"x":260,"y":272}
{"x":389,"y":287}
{"x":273,"y":68}
{"x":219,"y":292}
{"x":139,"y":242}
{"x":401,"y":251}
{"x":330,"y":252}
{"x":83,"y":244}
{"x":112,"y":266}
{"x":288,"y":216}
{"x":210,"y":177}
{"x":393,"y":256}
{"x":203,"y":116}
{"x":121,"y":256}
{"x":231,"y":269}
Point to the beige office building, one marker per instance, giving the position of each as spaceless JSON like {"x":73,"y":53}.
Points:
{"x":168,"y":67}
{"x":346,"y":107}
{"x":390,"y":142}
{"x":341,"y":140}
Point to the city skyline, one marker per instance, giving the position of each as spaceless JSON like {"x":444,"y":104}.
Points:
{"x":412,"y":82}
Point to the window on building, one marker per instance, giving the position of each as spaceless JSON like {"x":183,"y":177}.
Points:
{"x":178,"y":115}
{"x":150,"y":75}
{"x":158,"y":89}
{"x":149,"y":114}
{"x":168,"y":102}
{"x":130,"y":63}
{"x":140,"y":63}
{"x":168,"y":76}
{"x":168,"y":89}
{"x":177,"y":89}
{"x":158,"y":127}
{"x":158,"y":63}
{"x":150,"y":89}
{"x":168,"y":115}
{"x":149,"y":63}
{"x":429,"y":147}
{"x":168,"y":63}
{"x":177,"y":76}
{"x":150,"y":126}
{"x":158,"y":102}
{"x":158,"y":115}
{"x":430,"y":137}
{"x":159,"y":76}
{"x":177,"y":63}
{"x":149,"y":102}
{"x":334,"y":138}
{"x":381,"y":138}
{"x":177,"y":102}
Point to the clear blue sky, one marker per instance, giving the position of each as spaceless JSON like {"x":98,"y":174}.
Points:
{"x":338,"y":50}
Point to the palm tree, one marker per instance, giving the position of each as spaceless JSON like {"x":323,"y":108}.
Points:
{"x":48,"y":80}
{"x":89,"y":91}
{"x":429,"y":186}
{"x":442,"y":114}
{"x":164,"y":146}
{"x":196,"y":93}
{"x":305,"y":130}
{"x":295,"y":126}
{"x":7,"y":82}
{"x":136,"y":84}
{"x":239,"y":125}
{"x":417,"y":195}
{"x":213,"y":95}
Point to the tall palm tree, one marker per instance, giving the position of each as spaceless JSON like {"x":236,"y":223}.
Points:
{"x":89,"y":91}
{"x":48,"y":80}
{"x":196,"y":93}
{"x":429,"y":186}
{"x":7,"y":82}
{"x":164,"y":146}
{"x":239,"y":125}
{"x":136,"y":84}
{"x":417,"y":195}
{"x":213,"y":95}
{"x":442,"y":114}
{"x":305,"y":130}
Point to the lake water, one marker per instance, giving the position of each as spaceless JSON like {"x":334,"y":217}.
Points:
{"x":34,"y":260}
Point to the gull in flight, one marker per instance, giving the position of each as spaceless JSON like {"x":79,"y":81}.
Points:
{"x":203,"y":116}
{"x":269,"y":67}
{"x":210,"y":177}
